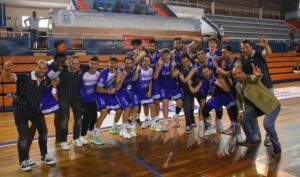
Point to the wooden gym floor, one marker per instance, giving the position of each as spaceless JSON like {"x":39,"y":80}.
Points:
{"x":162,"y":154}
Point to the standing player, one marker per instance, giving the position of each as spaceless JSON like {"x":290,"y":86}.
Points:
{"x":49,"y":100}
{"x":142,"y":85}
{"x":181,"y":50}
{"x":105,"y":99}
{"x":126,"y":97}
{"x":69,"y":96}
{"x":87,"y":93}
{"x":164,"y":73}
{"x":212,"y":51}
{"x":154,"y":55}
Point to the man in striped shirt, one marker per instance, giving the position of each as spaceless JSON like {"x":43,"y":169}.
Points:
{"x":69,"y":96}
{"x":27,"y":100}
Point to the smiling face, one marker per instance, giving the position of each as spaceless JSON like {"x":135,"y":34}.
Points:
{"x":41,"y":69}
{"x":201,"y":56}
{"x":238,"y":74}
{"x":206,"y":73}
{"x":75,"y":64}
{"x":166,"y":56}
{"x":128,"y":63}
{"x":146,"y":62}
{"x":152,"y":47}
{"x":178,"y":45}
{"x":212,"y":44}
{"x":247,"y":49}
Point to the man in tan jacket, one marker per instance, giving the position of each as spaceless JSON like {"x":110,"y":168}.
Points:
{"x":253,"y":100}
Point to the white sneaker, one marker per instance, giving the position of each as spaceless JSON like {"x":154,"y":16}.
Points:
{"x":133,"y":132}
{"x":83,"y":139}
{"x":176,"y":121}
{"x":48,"y":160}
{"x":124,"y":133}
{"x":155,"y":127}
{"x":239,"y":138}
{"x":210,"y":131}
{"x":165,"y":128}
{"x":78,"y":143}
{"x":32,"y":163}
{"x":65,"y":146}
{"x":146,"y":124}
{"x":24,"y":166}
{"x":128,"y":125}
{"x":201,"y":131}
{"x":219,"y":126}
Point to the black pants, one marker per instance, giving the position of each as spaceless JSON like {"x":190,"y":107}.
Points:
{"x":64,"y":105}
{"x":38,"y":121}
{"x":188,"y":108}
{"x":206,"y":109}
{"x":89,"y":112}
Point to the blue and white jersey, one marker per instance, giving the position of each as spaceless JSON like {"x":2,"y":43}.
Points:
{"x":88,"y":89}
{"x":52,"y":73}
{"x":178,"y":56}
{"x":141,"y":85}
{"x":165,"y":77}
{"x":214,"y":55}
{"x":154,"y":59}
{"x":131,"y":53}
{"x":107,"y":80}
{"x":211,"y":65}
{"x":126,"y":85}
{"x":230,"y":66}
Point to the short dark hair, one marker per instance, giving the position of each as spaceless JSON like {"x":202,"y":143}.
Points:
{"x":177,"y":39}
{"x":57,"y":43}
{"x":228,"y":48}
{"x":165,"y":50}
{"x":136,"y":42}
{"x":59,"y":55}
{"x":199,"y":50}
{"x":246,"y":41}
{"x":95,"y":58}
{"x":146,"y":56}
{"x":113,"y":59}
{"x":204,"y":67}
{"x":152,"y":41}
{"x":213,"y":39}
{"x":128,"y":58}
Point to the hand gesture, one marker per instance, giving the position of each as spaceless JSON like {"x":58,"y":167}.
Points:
{"x":138,"y":68}
{"x":184,"y":37}
{"x":256,"y":71}
{"x":190,"y":82}
{"x":263,"y":41}
{"x":181,"y":76}
{"x":8,"y":65}
{"x":124,"y":73}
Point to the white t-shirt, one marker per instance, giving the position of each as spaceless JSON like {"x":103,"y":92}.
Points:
{"x":33,"y":22}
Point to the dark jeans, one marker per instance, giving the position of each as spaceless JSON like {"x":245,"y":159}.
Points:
{"x":188,"y":108}
{"x":89,"y":112}
{"x":249,"y":123}
{"x":33,"y":36}
{"x":38,"y":121}
{"x":75,"y":104}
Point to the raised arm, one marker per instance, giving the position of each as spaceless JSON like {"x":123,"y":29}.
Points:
{"x":138,"y":57}
{"x":6,"y":74}
{"x":157,"y":69}
{"x":136,"y":73}
{"x":120,"y":78}
{"x":267,"y":49}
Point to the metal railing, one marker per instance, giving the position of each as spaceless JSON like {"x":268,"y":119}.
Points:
{"x":186,"y":3}
{"x":228,"y":10}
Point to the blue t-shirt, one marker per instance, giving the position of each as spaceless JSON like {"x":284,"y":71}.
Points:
{"x":107,"y":80}
{"x":126,"y":85}
{"x":165,"y":78}
{"x":141,"y":85}
{"x":88,"y":88}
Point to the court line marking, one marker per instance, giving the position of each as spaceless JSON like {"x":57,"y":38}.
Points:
{"x":134,"y":157}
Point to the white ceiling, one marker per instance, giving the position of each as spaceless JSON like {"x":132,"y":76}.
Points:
{"x":38,"y":3}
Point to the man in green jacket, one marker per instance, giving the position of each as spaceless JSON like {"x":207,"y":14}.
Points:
{"x":253,"y":100}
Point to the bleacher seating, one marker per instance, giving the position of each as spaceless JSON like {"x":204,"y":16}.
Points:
{"x":243,"y":27}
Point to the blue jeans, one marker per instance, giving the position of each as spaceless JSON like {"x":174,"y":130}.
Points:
{"x":249,"y":124}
